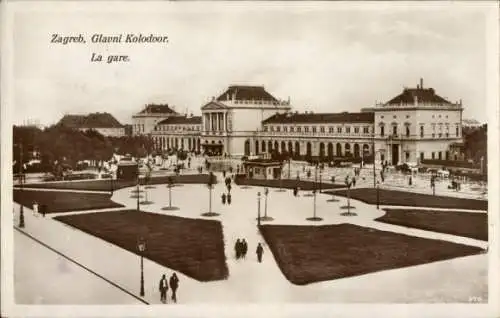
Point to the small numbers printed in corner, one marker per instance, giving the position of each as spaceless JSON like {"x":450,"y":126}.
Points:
{"x":475,"y":299}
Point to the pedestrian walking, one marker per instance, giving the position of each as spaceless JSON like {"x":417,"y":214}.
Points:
{"x":237,"y":248}
{"x":260,"y":251}
{"x":228,"y":187}
{"x":35,"y":209}
{"x":163,"y":288}
{"x":44,"y":209}
{"x":229,"y":198}
{"x":223,"y":173}
{"x":353,"y":181}
{"x":244,"y":248}
{"x":174,"y":284}
{"x":223,"y":197}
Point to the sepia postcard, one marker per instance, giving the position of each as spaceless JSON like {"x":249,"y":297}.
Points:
{"x":250,"y":159}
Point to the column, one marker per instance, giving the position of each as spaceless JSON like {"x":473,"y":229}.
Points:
{"x":224,"y":118}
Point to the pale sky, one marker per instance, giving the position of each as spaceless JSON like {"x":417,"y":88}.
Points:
{"x":326,"y":58}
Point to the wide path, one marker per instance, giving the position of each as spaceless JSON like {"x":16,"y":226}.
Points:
{"x":43,"y":276}
{"x":249,"y":281}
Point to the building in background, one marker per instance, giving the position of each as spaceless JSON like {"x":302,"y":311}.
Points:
{"x":415,"y":125}
{"x":143,"y":122}
{"x":235,"y":117}
{"x":104,"y":123}
{"x":471,"y":123}
{"x":178,"y":132}
{"x":315,"y":136}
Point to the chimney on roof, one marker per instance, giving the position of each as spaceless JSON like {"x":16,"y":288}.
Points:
{"x":421,"y":83}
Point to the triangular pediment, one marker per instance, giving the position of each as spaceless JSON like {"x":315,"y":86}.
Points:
{"x":214,"y":105}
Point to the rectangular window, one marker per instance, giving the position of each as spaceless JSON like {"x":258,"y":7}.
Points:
{"x":432,"y":156}
{"x":395,"y":130}
{"x":366,"y":130}
{"x":291,"y":129}
{"x":356,"y":130}
{"x":440,"y":135}
{"x":306,"y":128}
{"x":382,"y":132}
{"x":339,"y":130}
{"x":421,"y":131}
{"x":322,"y":129}
{"x":433,"y":135}
{"x":421,"y":156}
{"x":285,"y":128}
{"x":272,"y":128}
{"x":330,"y":130}
{"x":278,"y":128}
{"x":265,"y":128}
{"x":440,"y":155}
{"x":407,"y":156}
{"x":299,"y":129}
{"x":314,"y":129}
{"x":456,"y":131}
{"x":348,"y":130}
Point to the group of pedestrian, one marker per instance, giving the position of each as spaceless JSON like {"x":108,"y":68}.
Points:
{"x":241,"y":248}
{"x":39,"y":208}
{"x":173,"y":282}
{"x":226,"y":198}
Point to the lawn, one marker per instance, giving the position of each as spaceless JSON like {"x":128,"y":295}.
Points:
{"x":107,"y":184}
{"x":193,"y":247}
{"x":468,"y":224}
{"x":403,"y":198}
{"x":308,"y":254}
{"x":287,"y":184}
{"x":59,"y":201}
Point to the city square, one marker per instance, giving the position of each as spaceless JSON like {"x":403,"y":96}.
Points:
{"x":284,"y":264}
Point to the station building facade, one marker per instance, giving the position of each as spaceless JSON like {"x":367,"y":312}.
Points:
{"x":247,"y":120}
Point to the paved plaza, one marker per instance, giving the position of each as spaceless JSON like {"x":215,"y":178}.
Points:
{"x":102,"y":263}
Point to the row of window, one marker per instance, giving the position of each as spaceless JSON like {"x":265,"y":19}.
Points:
{"x":177,"y":128}
{"x":422,"y":134}
{"x":314,"y":129}
{"x":408,"y":116}
{"x":139,"y":127}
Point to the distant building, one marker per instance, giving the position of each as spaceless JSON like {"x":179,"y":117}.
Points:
{"x":178,"y":132}
{"x":145,"y":120}
{"x":471,"y":123}
{"x":415,"y":125}
{"x":236,"y":116}
{"x":104,"y":123}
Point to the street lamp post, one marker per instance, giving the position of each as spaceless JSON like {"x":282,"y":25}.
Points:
{"x":266,"y":193}
{"x":320,"y":180}
{"x":378,"y":195}
{"x":258,"y":209}
{"x":141,"y":245}
{"x":21,"y":181}
{"x":348,"y":182}
{"x":137,"y":196}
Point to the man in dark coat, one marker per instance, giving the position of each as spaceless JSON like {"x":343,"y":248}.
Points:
{"x":223,"y":197}
{"x":260,"y":251}
{"x":244,"y":248}
{"x":163,"y":289}
{"x":44,"y":209}
{"x":229,"y":198}
{"x":237,"y":249}
{"x":174,"y":284}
